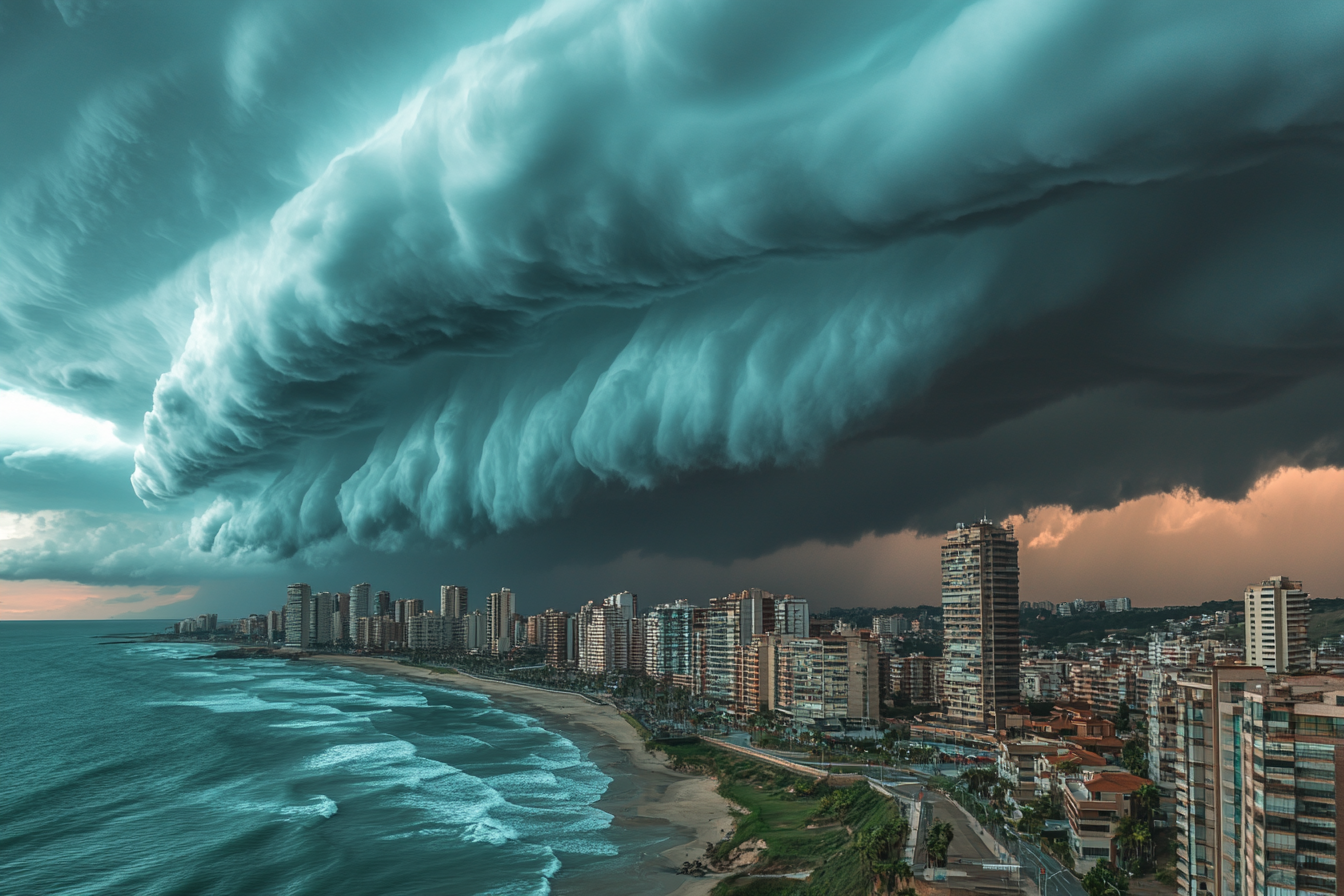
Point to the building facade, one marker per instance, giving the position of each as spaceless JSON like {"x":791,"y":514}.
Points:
{"x":980,"y":623}
{"x":298,"y":615}
{"x":499,"y":621}
{"x":359,"y":606}
{"x":1277,"y":613}
{"x":1208,"y":789}
{"x":453,"y":601}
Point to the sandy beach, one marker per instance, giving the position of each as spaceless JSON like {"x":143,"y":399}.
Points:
{"x":643,"y":786}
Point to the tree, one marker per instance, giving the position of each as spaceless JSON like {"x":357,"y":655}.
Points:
{"x":1134,"y":757}
{"x":937,"y":841}
{"x":1147,"y":799}
{"x":1105,"y":880}
{"x":880,"y":849}
{"x":1122,"y":716}
{"x":1031,"y":821}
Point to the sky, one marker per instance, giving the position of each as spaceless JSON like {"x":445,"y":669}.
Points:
{"x":674,"y":297}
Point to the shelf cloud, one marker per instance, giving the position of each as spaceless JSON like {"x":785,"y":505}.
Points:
{"x":706,"y":279}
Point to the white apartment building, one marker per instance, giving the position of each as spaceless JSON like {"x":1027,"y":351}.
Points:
{"x":1276,"y":625}
{"x":499,"y":621}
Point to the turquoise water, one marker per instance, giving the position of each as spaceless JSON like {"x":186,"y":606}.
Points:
{"x":136,"y":768}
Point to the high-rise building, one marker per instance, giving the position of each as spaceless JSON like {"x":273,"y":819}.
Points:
{"x":890,"y":625}
{"x":791,"y":617}
{"x":1293,"y":753}
{"x":1117,"y":605}
{"x":475,"y":631}
{"x":428,"y":631}
{"x":403,"y":610}
{"x":1209,"y":779}
{"x":980,"y":622}
{"x":827,"y":678}
{"x":732,"y":623}
{"x":339,"y":627}
{"x":298,"y":615}
{"x":609,"y":635}
{"x":359,"y":606}
{"x":499,"y":621}
{"x":1276,"y":625}
{"x":557,"y":634}
{"x":667,"y":640}
{"x":275,"y":625}
{"x":381,"y":605}
{"x":453,"y":601}
{"x":323,"y":608}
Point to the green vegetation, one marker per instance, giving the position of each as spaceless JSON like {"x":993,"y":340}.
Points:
{"x":843,"y":834}
{"x":1134,"y":757}
{"x":1129,"y":625}
{"x":1104,"y":880}
{"x":636,"y":724}
{"x":437,"y":670}
{"x":1327,"y":620}
{"x":938,"y":841}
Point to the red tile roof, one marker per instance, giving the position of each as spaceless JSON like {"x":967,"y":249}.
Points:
{"x":1115,"y":782}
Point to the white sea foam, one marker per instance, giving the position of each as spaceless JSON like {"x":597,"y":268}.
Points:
{"x":323,"y":806}
{"x":583,"y":846}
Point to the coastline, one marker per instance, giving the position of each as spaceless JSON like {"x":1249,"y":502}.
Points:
{"x":643,"y":786}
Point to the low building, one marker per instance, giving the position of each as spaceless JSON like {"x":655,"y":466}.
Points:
{"x":1094,"y":804}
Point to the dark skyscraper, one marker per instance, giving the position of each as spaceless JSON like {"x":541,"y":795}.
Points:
{"x":980,"y":622}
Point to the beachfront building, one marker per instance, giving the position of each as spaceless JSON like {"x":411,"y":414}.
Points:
{"x":980,"y":623}
{"x":475,"y":631}
{"x":499,"y":621}
{"x":610,"y":635}
{"x":298,"y":610}
{"x":557,"y":636}
{"x":667,"y":640}
{"x":1276,"y":625}
{"x":453,"y":601}
{"x":428,"y":632}
{"x":827,"y":678}
{"x":323,"y":608}
{"x":359,"y":606}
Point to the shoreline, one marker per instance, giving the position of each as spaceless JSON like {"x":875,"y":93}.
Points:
{"x":643,"y":786}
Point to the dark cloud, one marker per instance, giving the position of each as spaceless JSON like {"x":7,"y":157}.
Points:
{"x":695,"y":280}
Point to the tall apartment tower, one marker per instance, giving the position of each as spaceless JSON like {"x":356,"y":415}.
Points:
{"x":980,"y":613}
{"x":1211,"y":773}
{"x":1276,"y":625}
{"x":298,"y":615}
{"x":499,"y":621}
{"x":359,"y":605}
{"x":321,"y":618}
{"x":453,"y":601}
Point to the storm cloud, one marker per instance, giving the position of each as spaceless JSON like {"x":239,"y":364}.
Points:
{"x":702,"y":279}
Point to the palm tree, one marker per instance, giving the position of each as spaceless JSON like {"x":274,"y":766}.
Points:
{"x":1124,"y":837}
{"x":880,"y":849}
{"x":1147,"y":799}
{"x":937,"y":841}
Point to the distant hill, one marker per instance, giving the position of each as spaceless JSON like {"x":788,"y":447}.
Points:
{"x":1092,"y":627}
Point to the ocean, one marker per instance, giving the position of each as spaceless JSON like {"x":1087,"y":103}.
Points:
{"x":140,"y":768}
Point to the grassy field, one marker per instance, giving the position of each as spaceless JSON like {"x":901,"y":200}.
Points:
{"x":802,"y":830}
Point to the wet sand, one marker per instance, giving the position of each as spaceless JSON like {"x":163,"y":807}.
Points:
{"x":643,"y":788}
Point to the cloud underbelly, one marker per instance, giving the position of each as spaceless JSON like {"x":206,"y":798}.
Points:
{"x":616,"y":245}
